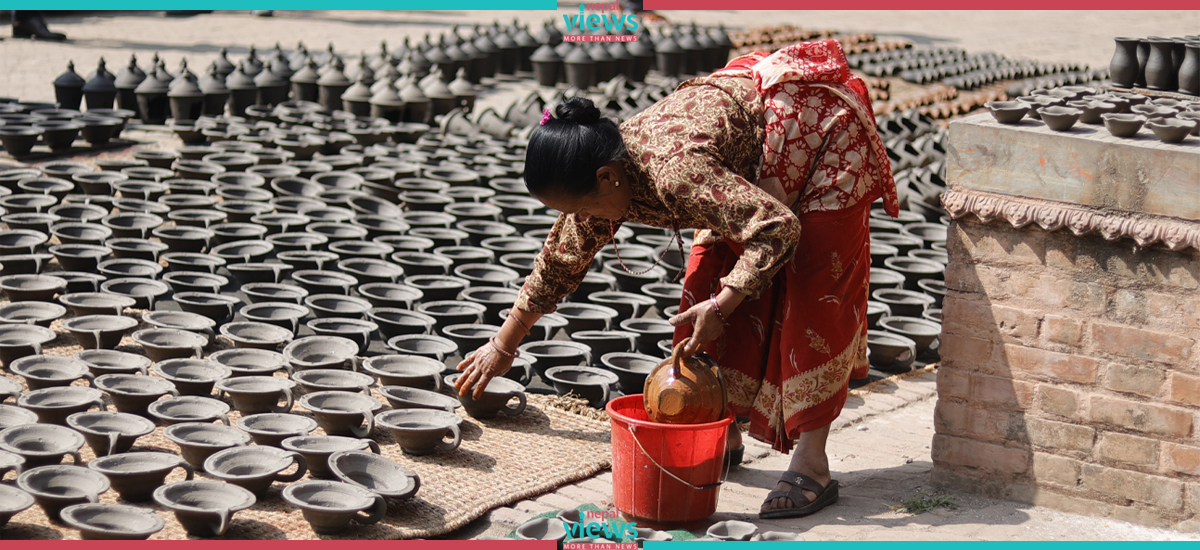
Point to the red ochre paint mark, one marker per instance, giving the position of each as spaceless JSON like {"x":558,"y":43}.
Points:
{"x":1085,"y":174}
{"x":1042,"y":160}
{"x":971,"y":150}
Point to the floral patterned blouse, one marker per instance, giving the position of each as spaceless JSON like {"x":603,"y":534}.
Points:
{"x":692,"y":157}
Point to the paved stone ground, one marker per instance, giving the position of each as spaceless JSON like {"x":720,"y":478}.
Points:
{"x":27,"y":68}
{"x":879,"y":451}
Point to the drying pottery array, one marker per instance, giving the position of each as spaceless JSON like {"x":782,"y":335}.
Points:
{"x":1122,"y":114}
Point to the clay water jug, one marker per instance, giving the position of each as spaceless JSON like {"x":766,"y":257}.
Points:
{"x":685,"y":389}
{"x":1124,"y":65}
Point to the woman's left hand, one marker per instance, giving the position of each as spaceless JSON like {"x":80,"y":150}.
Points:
{"x":707,"y":325}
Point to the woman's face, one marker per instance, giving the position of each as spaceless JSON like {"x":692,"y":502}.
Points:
{"x":609,"y":201}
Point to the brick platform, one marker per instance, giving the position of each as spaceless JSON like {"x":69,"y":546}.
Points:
{"x":1071,"y":373}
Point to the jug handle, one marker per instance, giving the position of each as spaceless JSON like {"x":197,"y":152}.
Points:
{"x":223,"y":516}
{"x":528,"y":376}
{"x":188,"y":471}
{"x":76,"y":458}
{"x":373,"y":445}
{"x":378,"y":509}
{"x":101,"y":403}
{"x":451,"y":445}
{"x":112,"y":443}
{"x":224,"y":419}
{"x":520,"y":408}
{"x":37,"y":348}
{"x":93,"y":497}
{"x":287,"y":393}
{"x":437,"y":383}
{"x":301,"y":469}
{"x":91,"y":378}
{"x":416,"y":485}
{"x":364,"y":431}
{"x":149,"y":304}
{"x":677,"y":355}
{"x":604,"y":398}
{"x":633,"y":343}
{"x":96,"y":335}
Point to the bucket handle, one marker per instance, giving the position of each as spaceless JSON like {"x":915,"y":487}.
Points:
{"x":724,"y":476}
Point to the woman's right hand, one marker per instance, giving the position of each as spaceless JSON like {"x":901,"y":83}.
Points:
{"x":479,"y":368}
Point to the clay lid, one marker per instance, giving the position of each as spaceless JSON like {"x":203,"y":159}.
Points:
{"x":618,"y":50}
{"x":359,"y":91}
{"x":70,"y":79}
{"x":161,"y":72}
{"x":665,"y":44}
{"x":213,"y":83}
{"x":239,"y":80}
{"x":387,"y":96}
{"x":521,"y":36}
{"x":151,"y":85}
{"x":419,"y":61}
{"x":598,"y":52}
{"x":102,"y":70}
{"x":453,"y":52}
{"x":483,"y":43}
{"x":406,"y":65}
{"x":268,"y":79}
{"x":719,"y":36}
{"x":453,"y":37}
{"x":333,"y":75}
{"x":469,"y":51}
{"x":460,"y":86}
{"x":130,"y":76}
{"x":702,"y":38}
{"x":579,"y":55}
{"x":645,"y":37}
{"x":361,"y":68}
{"x":565,"y":49}
{"x":307,"y":74}
{"x":252,"y":62}
{"x":184,"y":87}
{"x":224,"y":65}
{"x":641,"y":48}
{"x":545,"y":53}
{"x":410,"y":93}
{"x":401,"y":50}
{"x":549,"y":35}
{"x":435,"y":73}
{"x":281,"y":68}
{"x":436,"y":88}
{"x":435,"y":55}
{"x":387,"y":72}
{"x":102,"y":81}
{"x":686,"y":40}
{"x":504,"y":41}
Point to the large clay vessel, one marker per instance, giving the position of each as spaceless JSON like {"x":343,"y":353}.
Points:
{"x":1124,"y":65}
{"x":1160,"y":74}
{"x":1143,"y":53}
{"x":685,"y":389}
{"x":1189,"y":71}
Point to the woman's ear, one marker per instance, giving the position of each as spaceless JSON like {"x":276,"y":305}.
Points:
{"x":607,"y":179}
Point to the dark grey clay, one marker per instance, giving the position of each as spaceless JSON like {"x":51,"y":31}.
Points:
{"x":96,"y":303}
{"x":421,"y":431}
{"x":99,"y":331}
{"x":17,"y":341}
{"x":258,"y":394}
{"x":401,"y":397}
{"x":254,"y":335}
{"x":192,"y":376}
{"x":321,"y":352}
{"x":330,"y":506}
{"x":132,"y":393}
{"x":11,"y":415}
{"x":315,"y":380}
{"x":270,"y":429}
{"x":109,"y":433}
{"x":317,"y":450}
{"x":405,"y":370}
{"x":255,"y":468}
{"x":189,"y":408}
{"x":374,"y":473}
{"x":204,"y":508}
{"x":42,"y":444}
{"x":341,"y":413}
{"x":135,"y":476}
{"x":57,"y":487}
{"x":12,"y":502}
{"x":167,"y":343}
{"x":197,"y":440}
{"x":587,"y":382}
{"x":251,"y":362}
{"x":103,"y":361}
{"x":48,"y":371}
{"x":112,"y":521}
{"x":495,"y":398}
{"x":631,"y":369}
{"x":54,"y":405}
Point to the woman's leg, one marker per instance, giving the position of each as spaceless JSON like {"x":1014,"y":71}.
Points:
{"x":808,"y":458}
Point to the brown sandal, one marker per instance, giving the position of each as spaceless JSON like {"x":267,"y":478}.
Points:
{"x":801,"y":505}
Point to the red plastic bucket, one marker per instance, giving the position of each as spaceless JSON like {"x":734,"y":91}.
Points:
{"x":664,"y":473}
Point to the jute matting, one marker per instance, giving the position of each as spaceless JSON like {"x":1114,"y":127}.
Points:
{"x":554,"y":442}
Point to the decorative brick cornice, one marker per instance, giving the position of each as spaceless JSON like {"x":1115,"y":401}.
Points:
{"x":1145,"y":230}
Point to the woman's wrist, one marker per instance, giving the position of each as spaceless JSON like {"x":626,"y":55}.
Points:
{"x":515,"y":328}
{"x":728,"y":300}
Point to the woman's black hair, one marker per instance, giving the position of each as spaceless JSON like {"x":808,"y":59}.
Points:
{"x":565,"y":152}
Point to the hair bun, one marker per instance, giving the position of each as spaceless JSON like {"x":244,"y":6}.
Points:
{"x":579,"y":110}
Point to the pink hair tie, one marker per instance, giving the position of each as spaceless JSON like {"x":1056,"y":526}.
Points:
{"x":545,"y":117}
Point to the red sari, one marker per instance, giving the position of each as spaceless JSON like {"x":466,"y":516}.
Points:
{"x":787,"y":356}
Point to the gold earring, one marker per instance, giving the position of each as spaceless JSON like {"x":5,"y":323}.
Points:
{"x":617,"y":184}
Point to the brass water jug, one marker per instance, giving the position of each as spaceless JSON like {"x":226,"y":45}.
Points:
{"x":685,"y":389}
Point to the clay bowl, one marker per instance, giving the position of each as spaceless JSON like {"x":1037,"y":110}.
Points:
{"x":131,"y":225}
{"x":78,"y":281}
{"x":422,"y":263}
{"x":191,"y":376}
{"x":1123,"y":124}
{"x":421,"y":431}
{"x":96,"y":303}
{"x":934,"y":288}
{"x":111,"y":521}
{"x":493,"y":299}
{"x":586,"y":316}
{"x":55,"y":187}
{"x":135,"y":476}
{"x":165,"y":343}
{"x":219,"y":307}
{"x":433,"y":347}
{"x":915,"y":269}
{"x":281,"y":314}
{"x":254,"y":335}
{"x":81,"y":233}
{"x":48,"y":371}
{"x":317,"y":450}
{"x":9,"y":388}
{"x":21,"y":241}
{"x":137,"y":249}
{"x":453,"y":312}
{"x":321,"y":352}
{"x":271,"y":429}
{"x":542,"y":529}
{"x":42,"y":444}
{"x":470,"y":337}
{"x":405,"y":370}
{"x":129,"y":267}
{"x":251,"y":362}
{"x":921,"y":331}
{"x":198,"y":441}
{"x":587,"y":382}
{"x":191,"y":261}
{"x":649,"y":332}
{"x":402,"y":397}
{"x":495,"y":398}
{"x":194,"y":281}
{"x":17,"y":341}
{"x":144,"y":292}
{"x":309,"y":260}
{"x":57,"y":487}
{"x":12,"y":500}
{"x":23,"y":203}
{"x":1092,"y":110}
{"x":602,"y":342}
{"x":1171,"y":130}
{"x":394,"y":322}
{"x":99,"y":331}
{"x":109,"y":362}
{"x":437,"y":287}
{"x":34,"y":221}
{"x":132,"y":393}
{"x":1059,"y":118}
{"x":11,"y":415}
{"x":54,"y":405}
{"x":315,"y":380}
{"x":631,"y":369}
{"x":255,"y":468}
{"x":374,"y":473}
{"x":79,"y":257}
{"x":556,"y":353}
{"x":231,"y":232}
{"x":40,"y":288}
{"x":903,"y":303}
{"x":330,"y":506}
{"x":31,"y":312}
{"x":19,"y":140}
{"x":365,"y":250}
{"x":324,"y":282}
{"x":258,"y":394}
{"x":342,"y":413}
{"x":890,"y":350}
{"x":732,"y":530}
{"x":243,"y":252}
{"x":109,"y":433}
{"x":274,"y":292}
{"x":1008,"y":112}
{"x":391,"y":295}
{"x":180,"y":320}
{"x":325,"y":306}
{"x":875,"y":312}
{"x":259,"y":272}
{"x":486,"y":274}
{"x":370,"y":270}
{"x":204,"y":508}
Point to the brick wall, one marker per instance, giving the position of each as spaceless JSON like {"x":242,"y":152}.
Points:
{"x":1071,"y":373}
